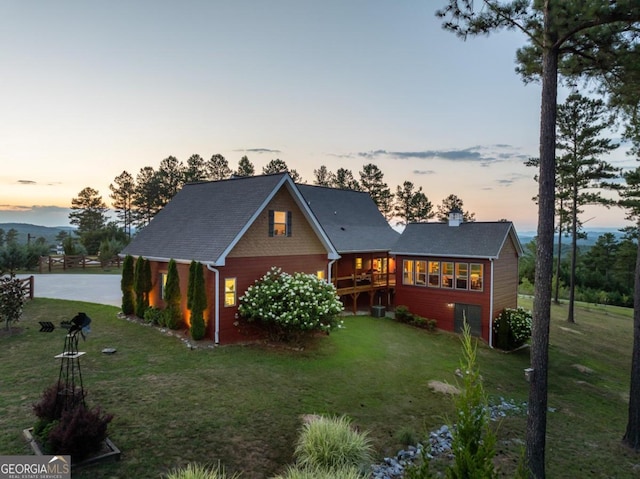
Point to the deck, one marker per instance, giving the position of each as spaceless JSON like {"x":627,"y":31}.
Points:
{"x":371,"y":284}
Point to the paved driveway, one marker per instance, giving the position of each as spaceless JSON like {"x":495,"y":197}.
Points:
{"x":92,"y":288}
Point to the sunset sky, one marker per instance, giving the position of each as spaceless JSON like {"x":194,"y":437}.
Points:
{"x":89,"y":89}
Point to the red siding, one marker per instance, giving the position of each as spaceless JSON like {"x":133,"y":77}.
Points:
{"x":438,"y":303}
{"x":246,"y":271}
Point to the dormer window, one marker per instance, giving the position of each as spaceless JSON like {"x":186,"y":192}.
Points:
{"x":279,"y":223}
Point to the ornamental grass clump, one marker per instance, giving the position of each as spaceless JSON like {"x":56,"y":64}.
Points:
{"x":512,"y":328}
{"x":332,"y":443}
{"x":321,"y":473}
{"x":197,"y":471}
{"x":290,"y":306}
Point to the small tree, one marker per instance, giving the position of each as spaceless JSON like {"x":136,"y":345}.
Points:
{"x":290,"y":306}
{"x":126,"y":285}
{"x":172,"y":297}
{"x":197,"y":300}
{"x":473,"y":440}
{"x":142,"y":285}
{"x":11,"y":300}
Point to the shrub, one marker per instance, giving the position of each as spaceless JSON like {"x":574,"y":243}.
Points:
{"x":69,"y":427}
{"x":321,"y":473}
{"x":332,"y":443}
{"x":12,"y":300}
{"x":79,"y":432}
{"x":154,"y":316}
{"x":196,"y":471}
{"x":197,"y":300}
{"x":142,"y":285}
{"x":290,"y":306}
{"x":126,"y":285}
{"x":512,"y":328}
{"x":473,"y":443}
{"x":173,"y":297}
{"x":403,"y":315}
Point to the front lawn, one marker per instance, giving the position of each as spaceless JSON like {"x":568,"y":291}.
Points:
{"x":241,"y":405}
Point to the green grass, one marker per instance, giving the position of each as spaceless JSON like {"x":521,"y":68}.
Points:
{"x":242,"y":405}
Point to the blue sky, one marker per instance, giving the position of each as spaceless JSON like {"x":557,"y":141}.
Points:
{"x":89,"y":89}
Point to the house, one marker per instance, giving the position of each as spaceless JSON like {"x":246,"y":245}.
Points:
{"x":365,"y":272}
{"x":238,"y":229}
{"x":241,"y":227}
{"x":457,"y":270}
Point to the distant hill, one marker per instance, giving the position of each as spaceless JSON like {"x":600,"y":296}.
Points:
{"x":592,"y":236}
{"x":34,"y":231}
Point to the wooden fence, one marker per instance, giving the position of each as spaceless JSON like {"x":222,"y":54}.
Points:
{"x":27,"y":286}
{"x":49,"y":263}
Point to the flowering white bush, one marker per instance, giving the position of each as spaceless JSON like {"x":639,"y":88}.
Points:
{"x":512,"y":328}
{"x":288,"y":305}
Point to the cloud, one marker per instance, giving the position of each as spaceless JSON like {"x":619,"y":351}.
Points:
{"x":424,"y":172}
{"x":259,"y":150}
{"x":27,"y":182}
{"x":483,"y":155}
{"x":513,"y":178}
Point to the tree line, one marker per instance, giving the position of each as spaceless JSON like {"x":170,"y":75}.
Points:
{"x":136,"y":200}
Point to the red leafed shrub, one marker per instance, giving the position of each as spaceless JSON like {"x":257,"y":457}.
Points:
{"x":79,"y":433}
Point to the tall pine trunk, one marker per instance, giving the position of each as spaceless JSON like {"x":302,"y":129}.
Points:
{"x":537,"y":418}
{"x":559,"y":258}
{"x":632,"y":435}
{"x":574,"y":255}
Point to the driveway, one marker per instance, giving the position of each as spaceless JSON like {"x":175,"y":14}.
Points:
{"x":92,"y":288}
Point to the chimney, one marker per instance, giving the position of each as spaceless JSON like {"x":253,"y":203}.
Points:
{"x":455,"y":217}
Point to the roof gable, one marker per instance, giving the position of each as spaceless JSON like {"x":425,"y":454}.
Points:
{"x":468,"y":240}
{"x":205,"y":220}
{"x":350,"y":218}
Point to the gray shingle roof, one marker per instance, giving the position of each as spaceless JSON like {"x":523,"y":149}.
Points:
{"x":468,"y":240}
{"x":350,"y":218}
{"x":204,"y":220}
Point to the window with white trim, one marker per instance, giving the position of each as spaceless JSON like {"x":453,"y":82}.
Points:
{"x":229,"y":292}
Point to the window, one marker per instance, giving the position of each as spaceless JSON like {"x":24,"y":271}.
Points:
{"x":358,"y":263}
{"x":421,"y":273}
{"x":230,"y":292}
{"x":407,"y":272}
{"x":434,"y":274}
{"x":476,"y":277}
{"x":320,"y":274}
{"x":279,"y":223}
{"x":447,"y":275}
{"x":462,"y":275}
